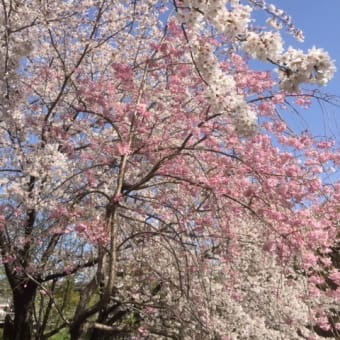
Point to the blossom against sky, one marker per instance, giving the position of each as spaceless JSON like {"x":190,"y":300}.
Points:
{"x":320,"y":24}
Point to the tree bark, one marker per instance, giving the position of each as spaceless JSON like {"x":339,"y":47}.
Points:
{"x":21,"y":328}
{"x":76,"y":331}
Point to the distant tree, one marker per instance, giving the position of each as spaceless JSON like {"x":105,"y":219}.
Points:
{"x":146,"y":164}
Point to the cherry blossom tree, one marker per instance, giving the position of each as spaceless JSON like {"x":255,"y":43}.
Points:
{"x":144,"y":161}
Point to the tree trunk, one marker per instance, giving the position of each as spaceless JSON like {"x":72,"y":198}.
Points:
{"x":23,"y":303}
{"x":78,"y":330}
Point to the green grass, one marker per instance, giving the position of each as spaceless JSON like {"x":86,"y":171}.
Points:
{"x":62,"y":335}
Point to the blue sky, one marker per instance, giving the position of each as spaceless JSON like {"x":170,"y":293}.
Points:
{"x":320,"y":22}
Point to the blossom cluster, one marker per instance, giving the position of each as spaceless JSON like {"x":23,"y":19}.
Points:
{"x":294,"y":67}
{"x":221,"y":91}
{"x":12,"y":50}
{"x":297,"y":68}
{"x":263,"y":46}
{"x":230,"y":22}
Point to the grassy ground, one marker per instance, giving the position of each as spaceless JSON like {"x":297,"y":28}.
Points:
{"x":62,"y":335}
